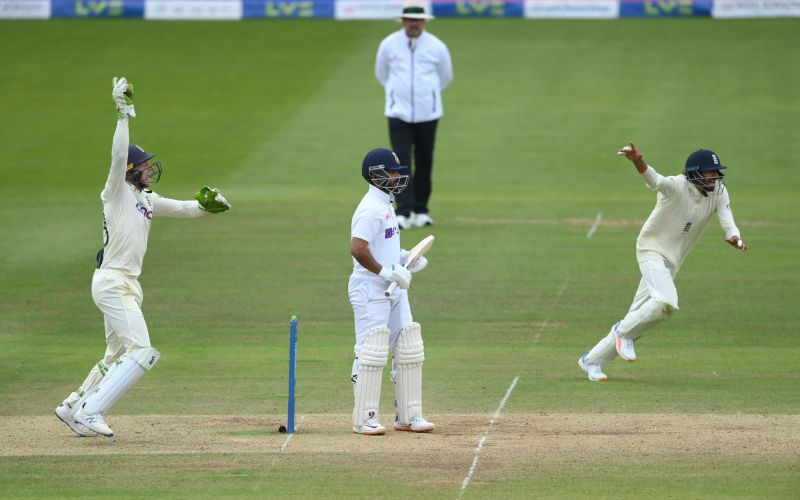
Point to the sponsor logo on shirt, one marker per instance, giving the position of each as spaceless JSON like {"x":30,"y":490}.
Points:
{"x":687,"y":227}
{"x":391,"y":231}
{"x":148,"y":214}
{"x":388,"y":216}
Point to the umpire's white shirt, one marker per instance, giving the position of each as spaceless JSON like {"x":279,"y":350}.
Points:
{"x":375,"y":222}
{"x":679,"y":218}
{"x":127,"y":212}
{"x":413,"y":72}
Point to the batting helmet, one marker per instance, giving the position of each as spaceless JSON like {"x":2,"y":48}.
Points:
{"x":137,"y":156}
{"x":376,"y":167}
{"x":704,"y":160}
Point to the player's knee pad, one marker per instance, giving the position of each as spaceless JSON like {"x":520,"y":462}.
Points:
{"x":410,"y":349}
{"x":120,"y":378}
{"x":375,"y":349}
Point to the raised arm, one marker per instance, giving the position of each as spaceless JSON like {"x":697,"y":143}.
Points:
{"x":208,"y":200}
{"x":122,"y":94}
{"x":653,"y":179}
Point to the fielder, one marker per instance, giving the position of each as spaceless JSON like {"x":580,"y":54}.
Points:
{"x":383,"y":323}
{"x":128,"y":208}
{"x":685,"y":204}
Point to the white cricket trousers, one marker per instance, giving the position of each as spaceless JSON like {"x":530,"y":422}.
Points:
{"x":120,"y":297}
{"x":372,"y":309}
{"x":655,"y":300}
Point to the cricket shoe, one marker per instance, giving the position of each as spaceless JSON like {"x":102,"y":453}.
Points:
{"x":417,"y":424}
{"x":64,"y":414}
{"x":624,"y":346}
{"x":405,"y":222}
{"x":93,"y":422}
{"x":423,"y":220}
{"x":370,"y":428}
{"x":594,"y":372}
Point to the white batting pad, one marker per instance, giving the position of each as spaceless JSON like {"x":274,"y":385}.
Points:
{"x":409,"y":355}
{"x":120,"y":379}
{"x":372,"y":357}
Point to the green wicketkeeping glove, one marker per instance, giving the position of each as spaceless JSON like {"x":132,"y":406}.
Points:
{"x":211,"y":200}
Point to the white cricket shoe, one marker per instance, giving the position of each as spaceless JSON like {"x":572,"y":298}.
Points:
{"x":405,"y":222}
{"x":370,"y":428}
{"x":624,"y":348}
{"x":423,"y":220}
{"x":417,"y":424}
{"x":595,"y":372}
{"x":94,"y":422}
{"x":64,"y":414}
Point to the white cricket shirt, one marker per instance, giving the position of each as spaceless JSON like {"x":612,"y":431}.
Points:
{"x":679,"y":218}
{"x":374,"y":221}
{"x":413,"y":72}
{"x":127,"y":212}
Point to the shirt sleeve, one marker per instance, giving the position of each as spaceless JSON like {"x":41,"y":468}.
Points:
{"x":658,"y":182}
{"x":725,"y":215}
{"x":166,"y":207}
{"x":382,"y":63}
{"x":365,"y":226}
{"x":119,"y":161}
{"x":445,"y":67}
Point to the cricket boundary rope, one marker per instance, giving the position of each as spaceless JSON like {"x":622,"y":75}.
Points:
{"x":474,"y":465}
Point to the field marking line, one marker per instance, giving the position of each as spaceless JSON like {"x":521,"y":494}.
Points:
{"x":289,"y":437}
{"x":474,"y":466}
{"x":557,"y":299}
{"x":595,"y":225}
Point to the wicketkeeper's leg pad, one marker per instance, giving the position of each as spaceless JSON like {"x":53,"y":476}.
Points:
{"x":372,"y":358}
{"x":409,"y":356}
{"x":120,"y":378}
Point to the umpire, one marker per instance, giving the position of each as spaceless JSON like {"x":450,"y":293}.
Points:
{"x":414,"y":68}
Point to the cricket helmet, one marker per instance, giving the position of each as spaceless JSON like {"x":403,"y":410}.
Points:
{"x":376,"y":167}
{"x":137,"y":156}
{"x":704,"y":160}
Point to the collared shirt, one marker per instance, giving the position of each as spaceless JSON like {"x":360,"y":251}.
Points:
{"x":128,"y":212}
{"x":413,"y":72}
{"x":374,"y":221}
{"x":679,"y":218}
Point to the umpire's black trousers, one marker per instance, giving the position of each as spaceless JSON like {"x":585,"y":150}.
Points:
{"x":420,"y":137}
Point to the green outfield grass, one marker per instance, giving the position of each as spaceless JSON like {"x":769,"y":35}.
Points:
{"x":278,"y":115}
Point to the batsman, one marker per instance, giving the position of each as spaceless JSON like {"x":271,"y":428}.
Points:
{"x":685,"y":203}
{"x":382,"y":323}
{"x":129,"y":205}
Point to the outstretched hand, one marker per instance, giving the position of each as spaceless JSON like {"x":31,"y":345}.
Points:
{"x":122,"y":93}
{"x":211,"y":200}
{"x":630,"y":152}
{"x":737,"y":243}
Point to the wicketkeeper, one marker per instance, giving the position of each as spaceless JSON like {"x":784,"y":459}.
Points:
{"x":129,"y":205}
{"x":684,"y":205}
{"x":383,"y":323}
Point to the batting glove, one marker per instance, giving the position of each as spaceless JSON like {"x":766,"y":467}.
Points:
{"x":419,"y":265}
{"x":122,"y":94}
{"x":398,"y":274}
{"x":211,"y":200}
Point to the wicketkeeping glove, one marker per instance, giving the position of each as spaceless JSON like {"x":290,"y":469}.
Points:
{"x":211,"y":200}
{"x":122,"y":94}
{"x":419,"y":265}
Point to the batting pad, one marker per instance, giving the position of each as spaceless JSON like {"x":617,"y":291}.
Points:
{"x":121,"y":378}
{"x":409,"y":355}
{"x":372,"y":357}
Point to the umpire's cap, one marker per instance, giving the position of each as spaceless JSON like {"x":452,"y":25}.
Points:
{"x":137,"y":156}
{"x":703,"y":160}
{"x":382,"y":158}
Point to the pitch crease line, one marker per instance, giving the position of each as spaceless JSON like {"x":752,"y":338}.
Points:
{"x":595,"y":225}
{"x":289,"y":437}
{"x":474,"y":466}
